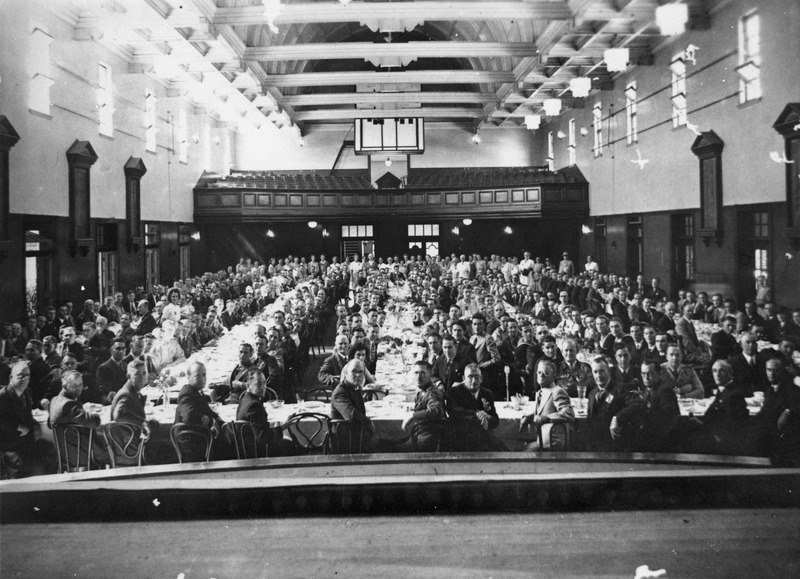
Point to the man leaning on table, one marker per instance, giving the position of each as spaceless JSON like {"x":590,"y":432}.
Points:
{"x":472,"y":414}
{"x":552,"y":407}
{"x":193,"y":407}
{"x":429,"y":414}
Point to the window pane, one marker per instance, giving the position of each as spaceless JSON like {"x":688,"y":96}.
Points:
{"x":369,"y":230}
{"x":436,"y":232}
{"x":410,"y":230}
{"x":432,"y":249}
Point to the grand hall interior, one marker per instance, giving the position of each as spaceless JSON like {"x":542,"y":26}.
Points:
{"x":518,"y":275}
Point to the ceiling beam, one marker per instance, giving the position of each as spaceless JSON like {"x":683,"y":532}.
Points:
{"x":409,"y":76}
{"x":389,"y":97}
{"x":311,"y":12}
{"x":347,"y":115}
{"x":404,"y":50}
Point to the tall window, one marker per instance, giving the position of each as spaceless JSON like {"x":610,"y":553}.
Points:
{"x":678,"y":98}
{"x":105,"y":101}
{"x":424,"y":239}
{"x":630,"y":113}
{"x":357,"y":239}
{"x":597,"y":129}
{"x":183,"y":137}
{"x":571,"y":147}
{"x":184,"y":240}
{"x":749,"y":58}
{"x":38,"y":271}
{"x":107,"y":278}
{"x":150,"y":128}
{"x":761,"y":239}
{"x":551,"y":164}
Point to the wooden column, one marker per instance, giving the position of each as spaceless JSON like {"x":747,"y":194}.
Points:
{"x":8,"y":138}
{"x":708,"y":149}
{"x":134,"y":171}
{"x":81,"y":157}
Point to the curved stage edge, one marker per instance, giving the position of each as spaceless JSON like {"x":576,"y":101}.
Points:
{"x":392,"y":484}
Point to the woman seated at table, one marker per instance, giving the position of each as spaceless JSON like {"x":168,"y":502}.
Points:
{"x":360,"y":351}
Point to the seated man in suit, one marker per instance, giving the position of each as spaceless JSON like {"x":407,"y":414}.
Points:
{"x":605,"y":402}
{"x":251,"y":409}
{"x":573,"y":375}
{"x":193,"y":407}
{"x":695,"y":353}
{"x":20,"y":442}
{"x":749,"y":366}
{"x":778,"y":422}
{"x":112,"y":374}
{"x":552,"y":406}
{"x":472,"y":413}
{"x":680,"y":377}
{"x":347,"y":404}
{"x":448,"y":368}
{"x":725,"y":420}
{"x":128,"y":406}
{"x":723,"y":341}
{"x":330,"y":372}
{"x":429,"y":414}
{"x":66,"y":409}
{"x":624,"y":373}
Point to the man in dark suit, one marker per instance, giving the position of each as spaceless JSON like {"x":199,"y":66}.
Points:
{"x":725,"y":420}
{"x":112,"y":374}
{"x":619,"y":308}
{"x":21,"y":451}
{"x":130,"y":305}
{"x":331,"y":370}
{"x":695,"y":354}
{"x":466,"y":351}
{"x":268,"y":364}
{"x":147,"y":323}
{"x":624,"y":373}
{"x":40,"y":378}
{"x":723,"y":341}
{"x":251,"y":409}
{"x":449,"y":367}
{"x":192,"y":406}
{"x":778,"y":422}
{"x":749,"y":366}
{"x":66,"y":409}
{"x":605,"y":402}
{"x":472,"y":414}
{"x":347,"y":405}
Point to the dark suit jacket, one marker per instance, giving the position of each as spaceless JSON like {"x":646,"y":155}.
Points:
{"x":448,"y":373}
{"x":631,"y":379}
{"x":723,"y":345}
{"x":193,"y":408}
{"x":749,"y":378}
{"x":15,"y":411}
{"x":40,"y":379}
{"x":347,"y":403}
{"x":128,"y":406}
{"x":600,"y":412}
{"x":146,"y":325}
{"x":726,"y":417}
{"x":110,"y":377}
{"x":251,"y":409}
{"x":331,"y":370}
{"x":65,"y":410}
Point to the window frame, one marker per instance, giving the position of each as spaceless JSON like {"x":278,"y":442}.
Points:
{"x":631,"y":114}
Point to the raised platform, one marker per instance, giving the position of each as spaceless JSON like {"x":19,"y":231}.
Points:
{"x":411,"y":483}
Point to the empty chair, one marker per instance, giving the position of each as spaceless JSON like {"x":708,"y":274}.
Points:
{"x":320,"y":393}
{"x":192,"y":442}
{"x":373,"y":394}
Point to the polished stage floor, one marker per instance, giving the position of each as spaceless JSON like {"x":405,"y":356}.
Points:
{"x":687,"y":543}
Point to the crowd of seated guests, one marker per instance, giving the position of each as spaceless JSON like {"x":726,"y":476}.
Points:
{"x":63,"y":360}
{"x":641,"y":351}
{"x":493,"y":327}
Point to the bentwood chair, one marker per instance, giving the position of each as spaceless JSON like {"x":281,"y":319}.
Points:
{"x":348,"y":437}
{"x":125,"y":443}
{"x":192,"y":442}
{"x":560,"y":437}
{"x":244,"y":437}
{"x":270,"y":394}
{"x":73,"y":447}
{"x":309,"y":431}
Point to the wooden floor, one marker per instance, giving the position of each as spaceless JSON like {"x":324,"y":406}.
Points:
{"x":693,"y":543}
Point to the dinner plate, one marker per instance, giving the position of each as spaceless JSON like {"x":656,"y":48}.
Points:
{"x":314,"y":404}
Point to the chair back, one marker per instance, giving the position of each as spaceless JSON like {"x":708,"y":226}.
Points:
{"x":321,"y":393}
{"x":309,"y":431}
{"x":125,"y":443}
{"x":73,"y":447}
{"x":560,"y":438}
{"x":427,"y":437}
{"x":244,"y":438}
{"x":270,"y":394}
{"x":192,"y":442}
{"x":347,"y":437}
